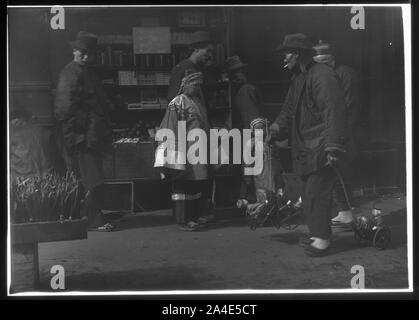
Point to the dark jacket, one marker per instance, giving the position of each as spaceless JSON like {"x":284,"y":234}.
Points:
{"x":247,"y":102}
{"x":82,"y":109}
{"x":350,"y":86}
{"x":314,"y":110}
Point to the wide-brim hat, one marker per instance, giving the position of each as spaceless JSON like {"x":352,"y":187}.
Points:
{"x":234,"y":63}
{"x":200,"y":37}
{"x":85,"y":41}
{"x":296,"y":41}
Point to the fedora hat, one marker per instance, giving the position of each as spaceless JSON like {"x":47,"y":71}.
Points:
{"x":85,"y":41}
{"x":234,"y":63}
{"x":200,"y":37}
{"x":296,"y":41}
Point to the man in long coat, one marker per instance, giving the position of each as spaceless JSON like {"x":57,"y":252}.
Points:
{"x":314,"y":113}
{"x":246,"y":98}
{"x":82,"y":110}
{"x":349,"y":82}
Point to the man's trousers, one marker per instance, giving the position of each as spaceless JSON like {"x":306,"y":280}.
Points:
{"x":317,"y":201}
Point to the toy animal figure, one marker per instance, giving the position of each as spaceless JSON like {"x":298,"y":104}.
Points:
{"x":275,"y":208}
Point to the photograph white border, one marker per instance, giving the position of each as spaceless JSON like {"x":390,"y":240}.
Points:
{"x":406,"y":13}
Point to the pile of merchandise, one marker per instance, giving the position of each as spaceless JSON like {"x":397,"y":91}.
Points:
{"x":48,"y":198}
{"x":141,"y":131}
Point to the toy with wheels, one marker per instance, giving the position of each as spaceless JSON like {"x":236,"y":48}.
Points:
{"x":275,"y":208}
{"x":370,"y":229}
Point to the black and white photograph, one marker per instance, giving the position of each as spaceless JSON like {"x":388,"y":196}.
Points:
{"x":209,"y":149}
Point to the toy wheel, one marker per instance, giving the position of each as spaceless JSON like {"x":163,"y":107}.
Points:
{"x":382,"y":238}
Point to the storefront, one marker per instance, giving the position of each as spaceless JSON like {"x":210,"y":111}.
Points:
{"x":136,"y":78}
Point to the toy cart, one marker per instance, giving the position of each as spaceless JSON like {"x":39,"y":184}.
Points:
{"x":370,"y":229}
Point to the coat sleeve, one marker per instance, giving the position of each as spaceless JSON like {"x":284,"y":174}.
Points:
{"x":68,"y":108}
{"x":328,"y":97}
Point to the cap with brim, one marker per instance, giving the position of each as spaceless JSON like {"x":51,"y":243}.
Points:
{"x":323,"y":48}
{"x":323,"y":58}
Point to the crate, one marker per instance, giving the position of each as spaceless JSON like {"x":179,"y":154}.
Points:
{"x":48,"y":231}
{"x":24,"y":255}
{"x":134,"y":161}
{"x":119,"y":196}
{"x":109,"y":166}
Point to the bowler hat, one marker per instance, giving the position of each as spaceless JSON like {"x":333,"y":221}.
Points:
{"x":297,"y":41}
{"x":200,"y":37}
{"x":234,"y":63}
{"x":85,"y":41}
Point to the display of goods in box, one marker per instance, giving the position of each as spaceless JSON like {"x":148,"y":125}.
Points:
{"x":49,"y":198}
{"x":141,"y":130}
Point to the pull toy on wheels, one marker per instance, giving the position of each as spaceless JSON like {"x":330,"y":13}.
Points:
{"x":372,"y":230}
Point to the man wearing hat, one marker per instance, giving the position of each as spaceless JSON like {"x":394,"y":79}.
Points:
{"x":349,"y":82}
{"x":82,"y":109}
{"x":314,"y":114}
{"x":246,"y":100}
{"x":246,"y":104}
{"x":202,"y":51}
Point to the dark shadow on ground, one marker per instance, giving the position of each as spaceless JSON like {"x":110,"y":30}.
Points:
{"x":134,"y":221}
{"x":345,"y":240}
{"x":147,"y":279}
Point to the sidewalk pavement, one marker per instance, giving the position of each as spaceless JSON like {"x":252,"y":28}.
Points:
{"x":149,"y":252}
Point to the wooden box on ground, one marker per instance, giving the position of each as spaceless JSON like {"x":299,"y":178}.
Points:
{"x":133,"y":160}
{"x":119,"y":196}
{"x":24,"y":240}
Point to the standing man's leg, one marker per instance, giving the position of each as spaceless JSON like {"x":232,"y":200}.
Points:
{"x":318,"y":204}
{"x":92,"y":176}
{"x":344,"y":207}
